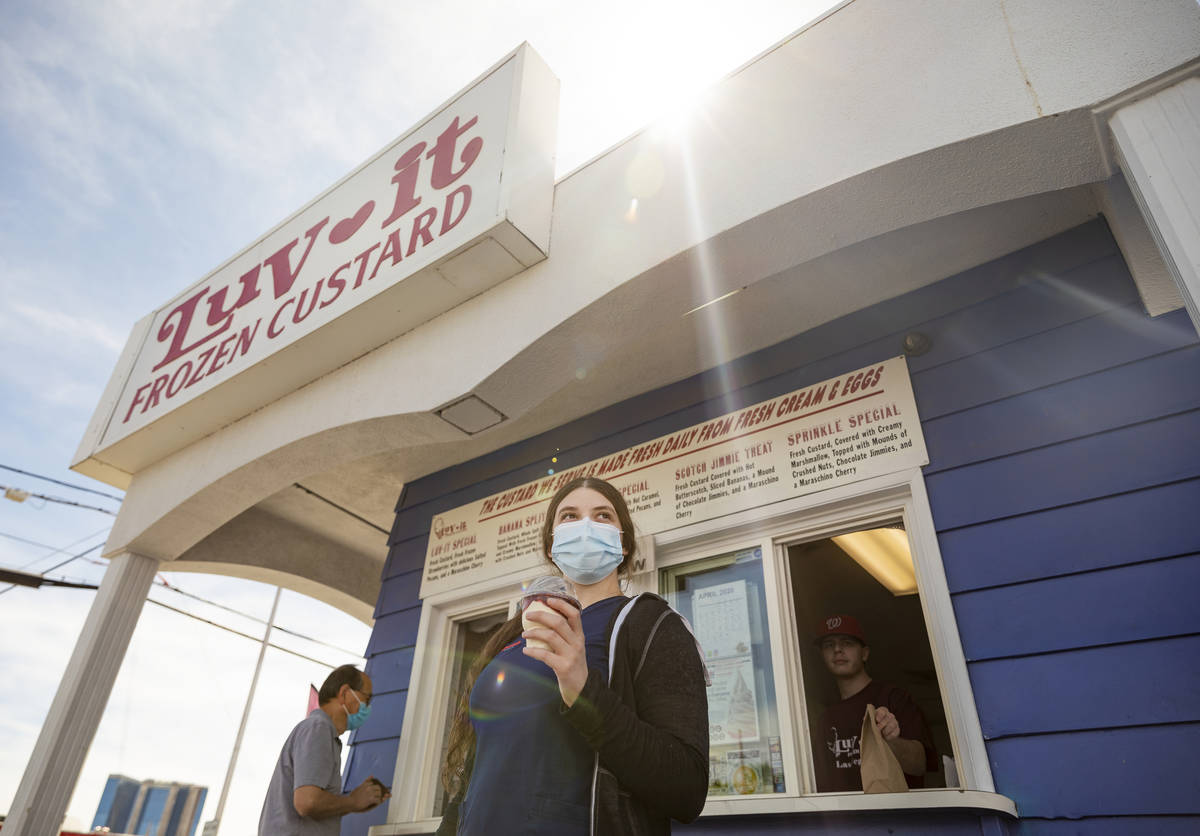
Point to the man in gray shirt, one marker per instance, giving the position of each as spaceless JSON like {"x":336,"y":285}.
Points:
{"x":305,"y":793}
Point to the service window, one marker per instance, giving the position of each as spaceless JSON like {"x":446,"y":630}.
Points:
{"x":865,"y":574}
{"x":758,"y":590}
{"x":723,"y":598}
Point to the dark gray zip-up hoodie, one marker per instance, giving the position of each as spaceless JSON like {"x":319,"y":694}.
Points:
{"x":649,"y":725}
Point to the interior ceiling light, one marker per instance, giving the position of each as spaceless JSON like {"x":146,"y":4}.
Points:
{"x":471,"y":415}
{"x":884,"y":553}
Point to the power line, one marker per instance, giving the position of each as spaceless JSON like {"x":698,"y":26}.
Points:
{"x":195,"y":597}
{"x":28,"y":542}
{"x":53,"y":549}
{"x":83,"y":553}
{"x":18,"y":578}
{"x":70,"y":545}
{"x":73,"y":557}
{"x":161,"y":582}
{"x":59,"y":500}
{"x":243,"y":635}
{"x":35,"y":581}
{"x":318,"y":641}
{"x":57,"y":482}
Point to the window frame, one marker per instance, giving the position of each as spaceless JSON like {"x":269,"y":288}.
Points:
{"x":773,"y":527}
{"x":691,"y":551}
{"x":414,"y":782}
{"x":813,"y":516}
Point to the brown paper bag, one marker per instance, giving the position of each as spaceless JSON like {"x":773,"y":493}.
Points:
{"x":881,"y":772}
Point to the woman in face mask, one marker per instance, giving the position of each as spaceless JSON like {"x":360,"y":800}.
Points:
{"x":602,"y":731}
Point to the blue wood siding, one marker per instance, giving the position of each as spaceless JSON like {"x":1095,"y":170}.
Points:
{"x":405,"y":556}
{"x":389,"y":663}
{"x":1063,"y":427}
{"x":1143,"y":770}
{"x":377,"y":758}
{"x":398,"y":593}
{"x":1108,"y":606}
{"x":1090,"y":688}
{"x":891,"y":823}
{"x":1139,"y":456}
{"x":1114,"y":530}
{"x":1110,"y":826}
{"x":390,"y":671}
{"x":1069,"y":410}
{"x":394,"y":630}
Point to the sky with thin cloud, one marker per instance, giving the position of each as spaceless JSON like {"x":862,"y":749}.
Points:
{"x":141,"y":145}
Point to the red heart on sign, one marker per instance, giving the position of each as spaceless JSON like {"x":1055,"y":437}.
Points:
{"x":344,"y":230}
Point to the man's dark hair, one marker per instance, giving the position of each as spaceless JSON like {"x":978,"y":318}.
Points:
{"x":344,"y":675}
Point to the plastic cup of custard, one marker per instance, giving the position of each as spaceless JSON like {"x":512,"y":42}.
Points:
{"x":534,"y":597}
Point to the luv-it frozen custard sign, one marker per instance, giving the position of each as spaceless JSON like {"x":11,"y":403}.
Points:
{"x":368,"y":260}
{"x":212,"y":329}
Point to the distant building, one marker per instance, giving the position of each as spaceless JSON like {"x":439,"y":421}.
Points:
{"x":149,"y":808}
{"x":116,"y":803}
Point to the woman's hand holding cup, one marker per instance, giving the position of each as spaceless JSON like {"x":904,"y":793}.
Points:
{"x":559,"y":626}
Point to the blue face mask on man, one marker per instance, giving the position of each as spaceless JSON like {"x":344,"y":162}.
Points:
{"x":586,"y":551}
{"x":353,"y":721}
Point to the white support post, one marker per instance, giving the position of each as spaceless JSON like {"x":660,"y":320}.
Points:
{"x":213,"y":827}
{"x":53,"y":769}
{"x":1158,"y":144}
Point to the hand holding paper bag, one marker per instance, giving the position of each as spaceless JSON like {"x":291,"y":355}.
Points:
{"x":881,"y":772}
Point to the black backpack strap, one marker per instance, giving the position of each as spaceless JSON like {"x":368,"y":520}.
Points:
{"x":644,"y":640}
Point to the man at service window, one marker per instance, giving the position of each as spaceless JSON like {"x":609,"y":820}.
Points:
{"x":844,"y":650}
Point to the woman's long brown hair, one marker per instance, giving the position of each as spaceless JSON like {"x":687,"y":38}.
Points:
{"x":460,"y":747}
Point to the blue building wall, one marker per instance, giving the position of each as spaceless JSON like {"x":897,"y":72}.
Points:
{"x":116,"y":803}
{"x":1063,"y":428}
{"x":120,"y":794}
{"x":201,"y":796}
{"x":176,"y":813}
{"x":153,"y":812}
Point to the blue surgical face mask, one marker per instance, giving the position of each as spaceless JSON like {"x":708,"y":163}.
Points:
{"x":353,"y":721}
{"x":586,"y":551}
